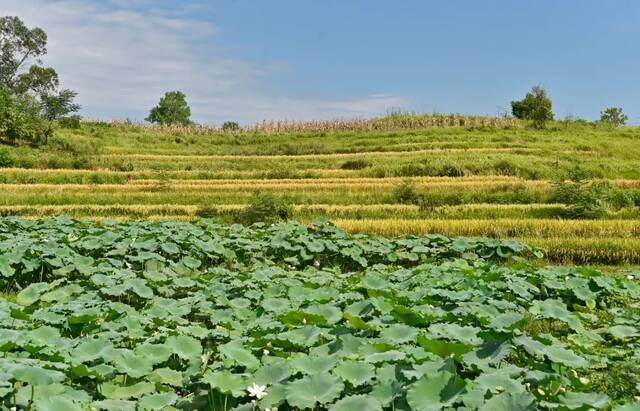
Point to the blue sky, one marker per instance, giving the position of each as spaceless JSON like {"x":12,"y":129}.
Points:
{"x":299,"y":59}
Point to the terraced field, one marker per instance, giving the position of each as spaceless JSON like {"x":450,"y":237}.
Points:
{"x":498,"y":182}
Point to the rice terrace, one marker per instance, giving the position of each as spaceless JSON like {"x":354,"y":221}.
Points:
{"x":403,"y":260}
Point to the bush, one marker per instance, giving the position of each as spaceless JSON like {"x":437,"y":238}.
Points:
{"x":590,"y":200}
{"x":265,"y":208}
{"x":230,"y":126}
{"x":357,"y":164}
{"x":6,"y":160}
{"x":536,"y":106}
{"x":71,"y":122}
{"x":613,"y":116}
{"x":406,"y":194}
{"x":449,"y":170}
{"x":20,"y":120}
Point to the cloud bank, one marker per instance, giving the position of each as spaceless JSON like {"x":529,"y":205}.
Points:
{"x":122,"y":55}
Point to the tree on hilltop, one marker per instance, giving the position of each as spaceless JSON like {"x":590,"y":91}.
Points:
{"x":172,"y":109}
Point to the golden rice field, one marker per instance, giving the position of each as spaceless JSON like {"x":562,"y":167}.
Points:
{"x":488,"y":177}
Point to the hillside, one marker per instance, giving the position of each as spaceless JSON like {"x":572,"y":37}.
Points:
{"x":456,"y":180}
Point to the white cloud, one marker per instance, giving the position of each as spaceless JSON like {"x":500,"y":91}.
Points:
{"x":122,"y":57}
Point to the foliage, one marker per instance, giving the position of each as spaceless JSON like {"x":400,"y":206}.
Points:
{"x":588,"y":199}
{"x":28,"y":96}
{"x":230,"y":126}
{"x":265,"y":208}
{"x":613,"y":116}
{"x":143,"y":315}
{"x":357,"y":164}
{"x":536,"y":106}
{"x":6,"y":160}
{"x":172,"y":109}
{"x":70,"y":122}
{"x":20,"y":119}
{"x":406,"y":193}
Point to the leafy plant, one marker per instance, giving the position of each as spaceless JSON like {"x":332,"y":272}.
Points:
{"x":536,"y":106}
{"x":148,"y":315}
{"x":357,"y":164}
{"x":6,"y":160}
{"x":406,"y":193}
{"x":230,"y":126}
{"x":613,"y":116}
{"x":265,"y":208}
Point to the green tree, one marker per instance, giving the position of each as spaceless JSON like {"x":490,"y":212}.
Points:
{"x":57,"y":105}
{"x":536,"y":106}
{"x":613,"y":116}
{"x":29,"y":95}
{"x":172,"y":109}
{"x":18,"y":45}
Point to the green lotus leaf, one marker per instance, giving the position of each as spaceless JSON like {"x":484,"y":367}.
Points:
{"x":91,"y":350}
{"x":127,"y":362}
{"x":578,"y":400}
{"x":313,"y":365}
{"x":272,"y":373}
{"x":357,"y":403}
{"x":314,"y":389}
{"x":226,"y":382}
{"x":157,"y":401}
{"x":508,"y":401}
{"x":36,"y":376}
{"x":236,"y":352}
{"x":623,"y":332}
{"x":464,"y":334}
{"x":56,"y":403}
{"x":32,"y":293}
{"x":399,"y":333}
{"x":435,"y":391}
{"x":114,"y":405}
{"x":124,"y":392}
{"x":166,"y":376}
{"x":155,"y":353}
{"x":6,"y":270}
{"x":354,"y":372}
{"x":185,"y":347}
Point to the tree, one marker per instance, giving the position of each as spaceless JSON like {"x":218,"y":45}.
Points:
{"x":30,"y":96}
{"x":613,"y":116}
{"x":18,"y":44}
{"x":57,"y":105}
{"x":172,"y":109}
{"x":536,"y":106}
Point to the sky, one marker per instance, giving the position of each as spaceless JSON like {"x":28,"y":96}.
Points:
{"x":248,"y":61}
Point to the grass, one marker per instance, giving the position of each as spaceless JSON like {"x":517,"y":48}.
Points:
{"x":472,"y":180}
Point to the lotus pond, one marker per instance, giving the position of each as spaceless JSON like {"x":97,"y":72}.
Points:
{"x":201,"y":316}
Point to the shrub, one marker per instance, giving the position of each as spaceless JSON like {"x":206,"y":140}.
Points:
{"x":449,"y":170}
{"x":6,"y":160}
{"x":536,"y":106}
{"x":265,"y":208}
{"x":406,"y":194}
{"x":590,"y":200}
{"x":71,"y":122}
{"x":357,"y":164}
{"x":613,"y":116}
{"x":20,"y":120}
{"x":230,"y":126}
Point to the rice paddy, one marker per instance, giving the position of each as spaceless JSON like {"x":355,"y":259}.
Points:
{"x":492,"y":178}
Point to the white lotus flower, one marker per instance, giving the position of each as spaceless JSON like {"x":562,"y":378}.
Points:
{"x":630,"y":277}
{"x":257,"y":391}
